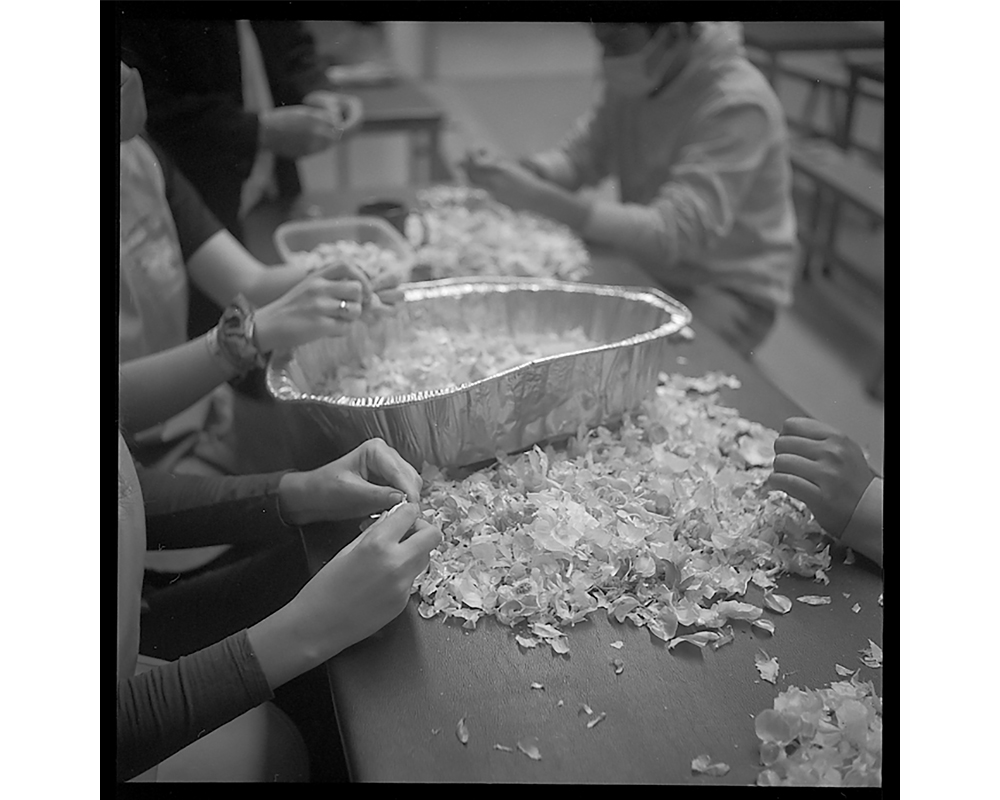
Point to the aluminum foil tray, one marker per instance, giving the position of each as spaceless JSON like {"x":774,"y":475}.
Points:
{"x":541,"y":400}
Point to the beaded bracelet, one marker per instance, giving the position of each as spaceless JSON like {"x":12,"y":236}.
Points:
{"x":234,"y":341}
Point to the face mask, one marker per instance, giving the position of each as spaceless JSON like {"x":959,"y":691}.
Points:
{"x":133,"y":102}
{"x":628,"y":75}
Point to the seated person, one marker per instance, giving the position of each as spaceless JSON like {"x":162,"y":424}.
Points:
{"x":263,"y":643}
{"x":696,"y":139}
{"x":828,"y":472}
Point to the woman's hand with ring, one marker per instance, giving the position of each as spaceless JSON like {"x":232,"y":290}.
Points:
{"x":320,"y":305}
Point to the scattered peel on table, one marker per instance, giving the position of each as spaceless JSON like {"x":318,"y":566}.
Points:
{"x":529,"y":746}
{"x":462,"y":731}
{"x":586,"y":709}
{"x":726,"y":636}
{"x":856,"y":608}
{"x":844,"y":672}
{"x":871,"y":656}
{"x":617,"y":645}
{"x":619,"y":666}
{"x":826,"y":737}
{"x":814,"y":599}
{"x":596,"y":720}
{"x":503,"y":748}
{"x":700,"y":639}
{"x":537,"y":686}
{"x":767,"y":666}
{"x":777,"y":602}
{"x":660,"y":522}
{"x":704,"y":765}
{"x":764,"y":625}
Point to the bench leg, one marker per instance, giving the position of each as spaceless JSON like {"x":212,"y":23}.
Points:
{"x":830,"y":234}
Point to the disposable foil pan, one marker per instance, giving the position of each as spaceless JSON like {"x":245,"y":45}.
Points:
{"x":542,"y":400}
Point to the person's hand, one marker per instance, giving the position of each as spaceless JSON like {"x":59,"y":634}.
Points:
{"x":372,"y":477}
{"x":297,"y":131}
{"x":322,"y":304}
{"x":345,"y":111}
{"x":506,"y":180}
{"x":533,"y":167}
{"x":387,"y":289}
{"x":366,"y":585}
{"x":823,"y":468}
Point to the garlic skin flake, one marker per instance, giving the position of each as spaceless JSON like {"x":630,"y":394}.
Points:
{"x":529,"y":746}
{"x":703,"y":765}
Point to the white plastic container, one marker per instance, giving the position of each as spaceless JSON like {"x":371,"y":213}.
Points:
{"x":306,"y":235}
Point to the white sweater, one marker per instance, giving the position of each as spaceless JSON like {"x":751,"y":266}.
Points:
{"x":703,"y":171}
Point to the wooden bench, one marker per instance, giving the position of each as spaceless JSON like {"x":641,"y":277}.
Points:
{"x":838,"y":180}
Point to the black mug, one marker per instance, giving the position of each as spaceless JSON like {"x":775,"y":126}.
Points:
{"x":395,"y":213}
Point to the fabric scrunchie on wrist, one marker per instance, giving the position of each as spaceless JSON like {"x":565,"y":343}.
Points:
{"x":234,"y":338}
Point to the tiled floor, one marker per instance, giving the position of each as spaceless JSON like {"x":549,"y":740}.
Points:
{"x":820,"y":351}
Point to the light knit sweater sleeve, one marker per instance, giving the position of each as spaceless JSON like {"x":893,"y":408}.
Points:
{"x":583,"y":156}
{"x":697,"y":206}
{"x":864,"y":532}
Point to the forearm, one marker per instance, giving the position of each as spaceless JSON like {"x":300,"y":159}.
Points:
{"x":561,"y":205}
{"x":555,"y":167}
{"x":285,"y":647}
{"x":650,"y":236}
{"x":223,"y":268}
{"x":864,"y":531}
{"x":272,"y":282}
{"x":196,"y":510}
{"x":154,"y":388}
{"x":161,"y":711}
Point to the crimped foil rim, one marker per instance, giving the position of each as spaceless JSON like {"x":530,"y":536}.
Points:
{"x":680,"y":317}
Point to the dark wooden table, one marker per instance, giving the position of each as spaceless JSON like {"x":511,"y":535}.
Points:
{"x":400,"y":693}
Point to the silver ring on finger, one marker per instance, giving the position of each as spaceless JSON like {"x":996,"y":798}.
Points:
{"x":343,"y":305}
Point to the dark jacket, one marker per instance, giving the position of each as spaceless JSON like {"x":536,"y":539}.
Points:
{"x":194,"y":97}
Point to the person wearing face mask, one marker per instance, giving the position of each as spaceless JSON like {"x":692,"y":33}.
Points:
{"x":697,"y":141}
{"x":173,"y":400}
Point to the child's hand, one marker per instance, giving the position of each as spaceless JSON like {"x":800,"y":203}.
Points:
{"x":372,"y":477}
{"x":821,"y":467}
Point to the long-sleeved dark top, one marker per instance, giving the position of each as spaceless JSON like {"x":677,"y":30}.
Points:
{"x":191,"y":75}
{"x":161,"y":711}
{"x":195,"y":511}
